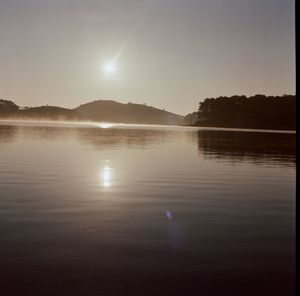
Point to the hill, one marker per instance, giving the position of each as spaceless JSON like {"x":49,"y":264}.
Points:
{"x":7,"y":108}
{"x":48,"y":112}
{"x":111,"y":111}
{"x":100,"y":110}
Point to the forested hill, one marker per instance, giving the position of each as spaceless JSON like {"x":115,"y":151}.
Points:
{"x":259,"y":111}
{"x":111,"y":111}
{"x":99,"y":110}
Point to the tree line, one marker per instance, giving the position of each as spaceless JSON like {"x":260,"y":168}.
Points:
{"x":259,"y":111}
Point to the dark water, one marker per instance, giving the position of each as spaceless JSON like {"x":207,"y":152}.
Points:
{"x":137,"y":210}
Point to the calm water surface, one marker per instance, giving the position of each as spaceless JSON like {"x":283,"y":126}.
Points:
{"x":141,"y":210}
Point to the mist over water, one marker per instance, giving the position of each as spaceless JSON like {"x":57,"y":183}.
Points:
{"x":145,"y":210}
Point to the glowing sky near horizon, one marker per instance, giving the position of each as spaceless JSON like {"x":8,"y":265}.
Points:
{"x":166,"y":53}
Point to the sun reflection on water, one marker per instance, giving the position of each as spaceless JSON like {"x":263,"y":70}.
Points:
{"x":105,"y":176}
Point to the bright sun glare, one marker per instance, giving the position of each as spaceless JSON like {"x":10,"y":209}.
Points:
{"x":109,"y":68}
{"x":105,"y":125}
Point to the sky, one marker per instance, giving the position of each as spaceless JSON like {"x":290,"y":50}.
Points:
{"x":169,"y":54}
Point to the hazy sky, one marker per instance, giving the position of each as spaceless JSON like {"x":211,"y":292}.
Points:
{"x":166,"y":53}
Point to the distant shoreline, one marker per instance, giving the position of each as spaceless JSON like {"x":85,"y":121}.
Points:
{"x":258,"y":112}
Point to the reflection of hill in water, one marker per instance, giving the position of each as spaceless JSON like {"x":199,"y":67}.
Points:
{"x":99,"y":138}
{"x":111,"y":138}
{"x":45,"y":132}
{"x":253,"y":146}
{"x":8,"y":133}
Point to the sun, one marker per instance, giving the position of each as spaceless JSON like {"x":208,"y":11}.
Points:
{"x":109,"y":68}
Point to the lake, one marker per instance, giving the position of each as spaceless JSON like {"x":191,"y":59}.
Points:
{"x":99,"y":209}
